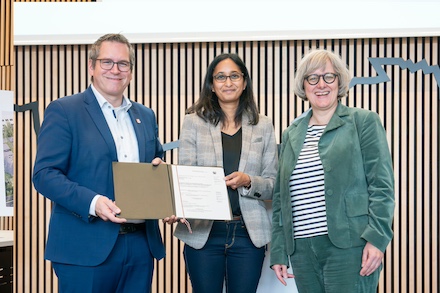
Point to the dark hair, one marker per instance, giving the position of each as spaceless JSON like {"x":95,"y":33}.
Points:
{"x":207,"y":106}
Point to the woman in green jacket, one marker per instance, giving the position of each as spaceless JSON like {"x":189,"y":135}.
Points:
{"x":333,"y":200}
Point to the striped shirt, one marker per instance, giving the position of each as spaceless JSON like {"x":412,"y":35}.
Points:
{"x":307,"y":189}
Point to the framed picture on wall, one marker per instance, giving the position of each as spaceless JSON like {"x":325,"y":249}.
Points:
{"x":7,"y":149}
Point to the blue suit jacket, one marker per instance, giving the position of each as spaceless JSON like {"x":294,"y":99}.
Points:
{"x":74,"y":163}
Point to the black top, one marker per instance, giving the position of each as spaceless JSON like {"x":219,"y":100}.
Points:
{"x":231,"y":160}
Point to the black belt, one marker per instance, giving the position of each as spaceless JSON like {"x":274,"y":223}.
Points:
{"x":131,"y":228}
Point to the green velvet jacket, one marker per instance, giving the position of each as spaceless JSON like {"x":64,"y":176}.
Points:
{"x":358,"y":178}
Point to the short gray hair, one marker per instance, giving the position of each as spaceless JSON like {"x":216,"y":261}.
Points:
{"x":317,"y":59}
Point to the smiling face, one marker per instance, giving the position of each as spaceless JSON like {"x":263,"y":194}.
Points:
{"x":111,"y":83}
{"x":228,"y":92}
{"x":323,"y":96}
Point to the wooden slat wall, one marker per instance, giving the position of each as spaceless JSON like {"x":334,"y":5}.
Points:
{"x":168,"y":78}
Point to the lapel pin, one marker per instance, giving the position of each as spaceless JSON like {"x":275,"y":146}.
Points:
{"x":138,"y":121}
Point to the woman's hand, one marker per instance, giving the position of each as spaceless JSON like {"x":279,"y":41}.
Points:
{"x":237,"y":179}
{"x":170,"y":220}
{"x":281,"y":273}
{"x":371,"y":259}
{"x":173,"y":219}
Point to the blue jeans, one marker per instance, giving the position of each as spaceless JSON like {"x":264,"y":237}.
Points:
{"x":228,"y":256}
{"x":319,"y":266}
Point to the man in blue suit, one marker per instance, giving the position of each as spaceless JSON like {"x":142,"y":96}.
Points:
{"x":90,"y":247}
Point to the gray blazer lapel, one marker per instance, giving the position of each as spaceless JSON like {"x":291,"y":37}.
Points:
{"x":217,"y":139}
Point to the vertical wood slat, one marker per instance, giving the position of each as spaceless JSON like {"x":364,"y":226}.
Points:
{"x":385,"y":286}
{"x":419,"y":169}
{"x":425,"y":107}
{"x":6,"y":37}
{"x":411,"y":185}
{"x":168,"y":78}
{"x":435,"y":175}
{"x":6,"y":67}
{"x":402,"y":115}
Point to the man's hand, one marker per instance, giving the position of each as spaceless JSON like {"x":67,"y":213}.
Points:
{"x":157,"y":161}
{"x":107,"y":210}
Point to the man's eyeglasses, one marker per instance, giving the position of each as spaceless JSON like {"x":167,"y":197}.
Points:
{"x":107,"y":64}
{"x":313,"y":79}
{"x":236,"y":76}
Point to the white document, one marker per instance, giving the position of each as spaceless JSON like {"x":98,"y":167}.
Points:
{"x":200,"y":193}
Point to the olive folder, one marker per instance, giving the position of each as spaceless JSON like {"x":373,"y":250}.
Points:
{"x":146,"y":191}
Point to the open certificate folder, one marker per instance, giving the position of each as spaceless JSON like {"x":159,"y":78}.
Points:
{"x":144,"y":191}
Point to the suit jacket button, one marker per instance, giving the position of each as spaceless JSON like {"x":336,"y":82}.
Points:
{"x":257,"y":194}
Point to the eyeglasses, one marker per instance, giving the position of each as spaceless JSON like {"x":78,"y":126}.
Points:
{"x":236,"y":76}
{"x":313,"y":79}
{"x":107,"y":64}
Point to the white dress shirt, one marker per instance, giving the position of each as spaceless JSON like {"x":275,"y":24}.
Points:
{"x":124,"y":136}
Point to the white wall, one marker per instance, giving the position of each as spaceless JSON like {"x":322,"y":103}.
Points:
{"x":221,"y":20}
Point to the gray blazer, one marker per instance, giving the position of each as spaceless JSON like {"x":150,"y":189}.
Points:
{"x":201,"y":145}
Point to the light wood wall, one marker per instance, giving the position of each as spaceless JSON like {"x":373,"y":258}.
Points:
{"x":168,"y":77}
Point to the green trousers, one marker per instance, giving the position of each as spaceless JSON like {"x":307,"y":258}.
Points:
{"x":319,"y":266}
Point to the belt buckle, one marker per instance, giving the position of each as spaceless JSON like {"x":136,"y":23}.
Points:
{"x":127,"y":228}
{"x":123,"y":229}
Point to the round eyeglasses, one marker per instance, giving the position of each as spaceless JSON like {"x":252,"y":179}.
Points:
{"x":235,"y":76}
{"x":313,"y":79}
{"x":107,"y":64}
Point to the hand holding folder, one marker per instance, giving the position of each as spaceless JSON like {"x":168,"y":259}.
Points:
{"x":145,"y":191}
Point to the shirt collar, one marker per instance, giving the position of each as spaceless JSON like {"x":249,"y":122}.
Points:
{"x":126,"y":103}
